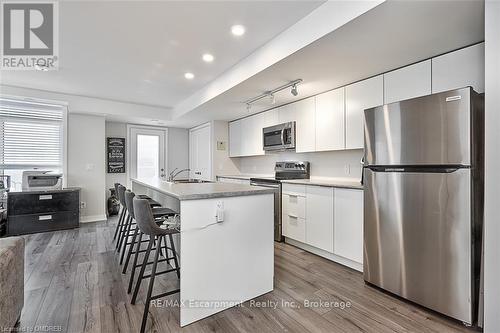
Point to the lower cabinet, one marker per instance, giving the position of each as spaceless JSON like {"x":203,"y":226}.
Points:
{"x":325,"y":218}
{"x":319,"y":217}
{"x":348,"y":224}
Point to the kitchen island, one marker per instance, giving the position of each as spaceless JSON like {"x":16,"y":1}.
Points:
{"x":223,"y":263}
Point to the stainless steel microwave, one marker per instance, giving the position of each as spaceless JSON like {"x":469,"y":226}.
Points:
{"x":279,"y":137}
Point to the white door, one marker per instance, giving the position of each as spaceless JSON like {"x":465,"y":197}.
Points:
{"x":147,"y":152}
{"x":199,"y":153}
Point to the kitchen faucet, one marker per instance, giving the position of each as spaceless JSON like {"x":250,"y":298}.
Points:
{"x":172,"y":175}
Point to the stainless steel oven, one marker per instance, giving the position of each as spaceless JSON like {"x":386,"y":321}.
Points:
{"x":279,"y":137}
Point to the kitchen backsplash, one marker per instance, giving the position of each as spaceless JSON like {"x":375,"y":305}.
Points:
{"x":345,"y":163}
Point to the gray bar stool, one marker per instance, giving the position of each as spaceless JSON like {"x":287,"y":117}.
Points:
{"x":124,"y":231}
{"x":158,"y":213}
{"x":121,"y":216}
{"x":146,"y":224}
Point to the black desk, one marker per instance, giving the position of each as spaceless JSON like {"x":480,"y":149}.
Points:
{"x":39,"y":211}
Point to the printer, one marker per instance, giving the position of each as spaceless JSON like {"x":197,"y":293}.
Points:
{"x":37,"y":180}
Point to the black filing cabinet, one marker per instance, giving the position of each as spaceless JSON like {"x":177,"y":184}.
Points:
{"x":40,"y":211}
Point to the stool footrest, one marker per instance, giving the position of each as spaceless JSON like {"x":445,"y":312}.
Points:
{"x":162,"y":272}
{"x":165,"y":294}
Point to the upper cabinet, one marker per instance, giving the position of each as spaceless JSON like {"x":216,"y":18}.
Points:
{"x":408,"y":82}
{"x":235,"y":140}
{"x":245,"y":135}
{"x":330,"y":125}
{"x":358,"y":97}
{"x":305,"y":111}
{"x":459,"y":69}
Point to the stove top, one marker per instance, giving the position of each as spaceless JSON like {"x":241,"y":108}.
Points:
{"x":288,"y":170}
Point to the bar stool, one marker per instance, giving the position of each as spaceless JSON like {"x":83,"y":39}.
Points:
{"x":146,"y":224}
{"x":124,"y":231}
{"x":121,"y":216}
{"x":158,"y":213}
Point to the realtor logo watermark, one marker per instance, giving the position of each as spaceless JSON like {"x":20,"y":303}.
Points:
{"x":30,"y":36}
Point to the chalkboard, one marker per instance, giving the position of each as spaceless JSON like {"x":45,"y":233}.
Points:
{"x":116,"y":155}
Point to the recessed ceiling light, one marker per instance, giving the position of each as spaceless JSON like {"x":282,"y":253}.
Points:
{"x":207,"y":57}
{"x":238,"y":30}
{"x":189,"y":75}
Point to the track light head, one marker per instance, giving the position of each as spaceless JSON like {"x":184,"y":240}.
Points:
{"x":294,"y":91}
{"x":249,"y":106}
{"x":272,"y":98}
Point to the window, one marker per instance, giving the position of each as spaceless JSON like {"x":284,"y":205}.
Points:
{"x":31,"y":137}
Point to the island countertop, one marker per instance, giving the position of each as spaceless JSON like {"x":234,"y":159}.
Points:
{"x":195,"y":191}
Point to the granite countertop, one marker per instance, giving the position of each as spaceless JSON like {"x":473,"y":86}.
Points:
{"x":194,"y":191}
{"x":329,"y":182}
{"x":246,"y":176}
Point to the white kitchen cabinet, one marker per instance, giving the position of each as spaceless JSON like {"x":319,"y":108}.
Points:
{"x":200,"y":161}
{"x":459,"y":69}
{"x":360,"y":96}
{"x":250,"y":136}
{"x":408,"y":82}
{"x":330,"y":125}
{"x":319,"y":217}
{"x":348,"y":224}
{"x":293,"y":215}
{"x":235,"y":139}
{"x":286,"y":113}
{"x":305,"y":113}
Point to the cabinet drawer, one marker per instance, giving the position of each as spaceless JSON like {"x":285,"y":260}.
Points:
{"x":23,"y":203}
{"x":294,"y":205}
{"x":294,"y":189}
{"x":294,"y":228}
{"x":27,"y":224}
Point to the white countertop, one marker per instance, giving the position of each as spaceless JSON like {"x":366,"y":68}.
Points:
{"x":352,"y":183}
{"x":193,"y":191}
{"x":329,"y":182}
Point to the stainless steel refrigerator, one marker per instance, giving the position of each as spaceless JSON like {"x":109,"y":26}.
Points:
{"x":423,"y":177}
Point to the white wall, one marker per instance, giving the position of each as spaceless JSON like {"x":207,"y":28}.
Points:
{"x":323,"y":164}
{"x":492,"y":163}
{"x":222,"y":164}
{"x":86,"y":163}
{"x":177,"y":149}
{"x":115,"y":130}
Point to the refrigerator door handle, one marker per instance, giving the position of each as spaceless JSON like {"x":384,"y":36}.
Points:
{"x":417,"y":169}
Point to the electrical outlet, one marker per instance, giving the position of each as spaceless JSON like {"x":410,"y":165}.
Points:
{"x":221,"y":145}
{"x":347,"y":169}
{"x":83,"y":205}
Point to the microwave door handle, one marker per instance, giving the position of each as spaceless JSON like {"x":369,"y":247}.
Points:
{"x":283,"y":131}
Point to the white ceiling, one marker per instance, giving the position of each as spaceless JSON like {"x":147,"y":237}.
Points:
{"x":391,"y":35}
{"x":138,"y":51}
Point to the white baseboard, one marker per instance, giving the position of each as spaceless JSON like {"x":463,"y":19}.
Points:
{"x":93,"y":218}
{"x":325,"y":254}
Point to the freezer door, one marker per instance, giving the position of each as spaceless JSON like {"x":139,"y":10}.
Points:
{"x":429,"y":130}
{"x":417,"y":238}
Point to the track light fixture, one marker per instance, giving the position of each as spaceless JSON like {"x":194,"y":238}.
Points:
{"x":271,"y":93}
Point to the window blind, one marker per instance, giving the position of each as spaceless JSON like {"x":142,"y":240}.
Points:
{"x":31,"y":134}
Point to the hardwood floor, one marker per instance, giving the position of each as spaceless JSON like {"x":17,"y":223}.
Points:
{"x":73,"y":283}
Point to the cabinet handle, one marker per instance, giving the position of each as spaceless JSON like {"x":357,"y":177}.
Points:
{"x":293,"y":216}
{"x":45,"y":197}
{"x":44,"y":217}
